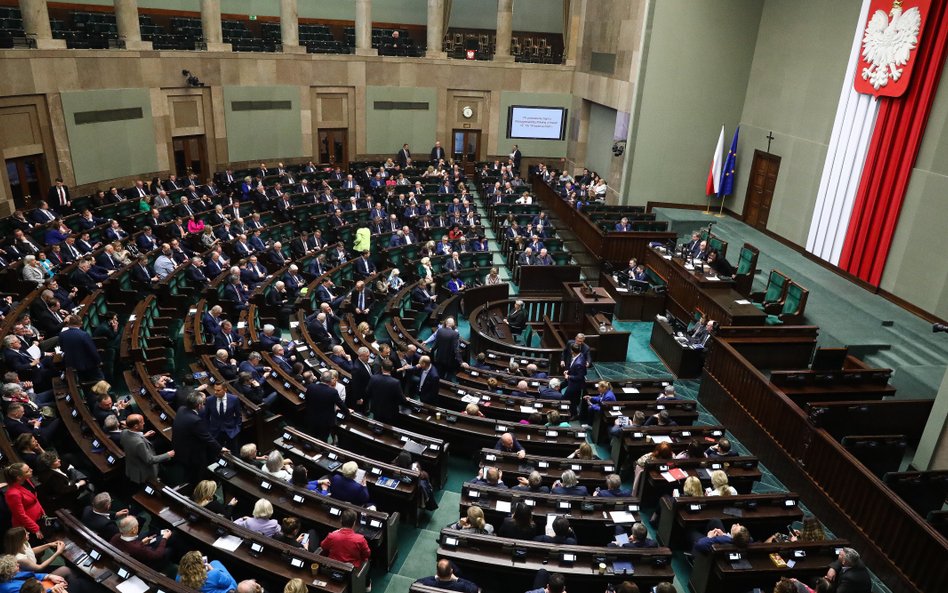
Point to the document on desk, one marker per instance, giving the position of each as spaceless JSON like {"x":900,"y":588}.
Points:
{"x":674,"y":475}
{"x":715,"y":278}
{"x":228,"y":542}
{"x":622,"y":517}
{"x":133,"y":585}
{"x":630,"y":390}
{"x":549,"y":524}
{"x":502,"y":506}
{"x":619,"y":289}
{"x":527,"y":409}
{"x":470,"y":399}
{"x":742,"y":302}
{"x":660,"y":438}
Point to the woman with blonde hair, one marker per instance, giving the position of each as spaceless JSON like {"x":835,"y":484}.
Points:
{"x":719,"y":485}
{"x":344,"y":485}
{"x":211,"y":577}
{"x":425,"y":271}
{"x":16,"y":542}
{"x":295,"y":586}
{"x":473,"y":410}
{"x":204,"y":495}
{"x":585,"y":451}
{"x":493,"y":277}
{"x":12,"y":577}
{"x":262,"y":521}
{"x":474,"y":521}
{"x":692,"y":487}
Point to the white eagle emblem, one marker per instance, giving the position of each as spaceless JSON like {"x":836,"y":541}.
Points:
{"x":887,"y":43}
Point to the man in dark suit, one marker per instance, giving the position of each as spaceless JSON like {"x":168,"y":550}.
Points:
{"x":141,"y":462}
{"x":222,"y":414}
{"x":575,"y":376}
{"x":550,"y":391}
{"x":364,"y":266}
{"x":849,"y":574}
{"x":437,"y":153}
{"x":361,"y":374}
{"x":193,"y":444}
{"x":384,"y":394}
{"x":428,"y":380}
{"x":361,"y":301}
{"x":58,"y":196}
{"x":446,"y":350}
{"x":79,"y":351}
{"x":517,"y":319}
{"x":423,"y":296}
{"x":516,"y":156}
{"x":99,"y":516}
{"x":403,"y":157}
{"x":322,"y":402}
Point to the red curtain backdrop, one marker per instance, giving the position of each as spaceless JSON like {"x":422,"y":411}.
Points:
{"x":898,"y":134}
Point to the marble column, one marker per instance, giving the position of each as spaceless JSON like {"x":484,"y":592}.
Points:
{"x":290,"y":27}
{"x":129,"y":30}
{"x":363,"y":29}
{"x":36,"y":24}
{"x":211,"y":26}
{"x":504,"y":31}
{"x":435,"y":29}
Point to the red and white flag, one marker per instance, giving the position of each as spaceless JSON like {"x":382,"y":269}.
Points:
{"x":714,"y":175}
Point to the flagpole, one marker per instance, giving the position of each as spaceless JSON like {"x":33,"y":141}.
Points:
{"x":707,"y":210}
{"x":720,"y":214}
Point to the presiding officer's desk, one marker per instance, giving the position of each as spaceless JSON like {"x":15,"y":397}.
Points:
{"x":470,"y":434}
{"x":504,"y":564}
{"x":715,"y":573}
{"x":691,"y":290}
{"x":762,"y":514}
{"x":636,"y":441}
{"x":384,"y":441}
{"x":742,"y":473}
{"x":590,"y":472}
{"x":256,"y":553}
{"x":593,"y":518}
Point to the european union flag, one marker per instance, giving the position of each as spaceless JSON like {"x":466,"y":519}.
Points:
{"x":730,"y":164}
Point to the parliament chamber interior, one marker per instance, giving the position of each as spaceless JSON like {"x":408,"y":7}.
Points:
{"x":477,"y":295}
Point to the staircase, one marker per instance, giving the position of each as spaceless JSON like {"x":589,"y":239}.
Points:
{"x":588,"y":262}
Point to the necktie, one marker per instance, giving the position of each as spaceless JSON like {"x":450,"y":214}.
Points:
{"x":221,"y":406}
{"x":49,"y":215}
{"x":424,"y":375}
{"x":141,"y":192}
{"x":362,"y":300}
{"x":62,"y":196}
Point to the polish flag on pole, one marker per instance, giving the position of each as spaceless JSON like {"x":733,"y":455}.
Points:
{"x":714,"y":175}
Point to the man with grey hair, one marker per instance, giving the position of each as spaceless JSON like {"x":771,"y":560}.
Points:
{"x":164,"y":263}
{"x":551,"y":390}
{"x":849,"y":574}
{"x":362,"y":371}
{"x":144,"y":550}
{"x":517,"y":319}
{"x":99,"y":516}
{"x":269,"y":337}
{"x":249,"y":586}
{"x":322,"y":403}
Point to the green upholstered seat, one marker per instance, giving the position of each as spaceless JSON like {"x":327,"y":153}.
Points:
{"x":745,"y":261}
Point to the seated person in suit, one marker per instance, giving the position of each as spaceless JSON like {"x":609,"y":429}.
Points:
{"x":532,"y":483}
{"x":423,"y":296}
{"x":720,"y":265}
{"x":551,"y":391}
{"x":445,"y":579}
{"x":343,"y":486}
{"x":591,"y":404}
{"x":736,"y":535}
{"x":720,"y":449}
{"x":623,"y":225}
{"x":490,"y":476}
{"x":509,"y":444}
{"x":613,"y":488}
{"x":569,"y":485}
{"x":517,"y":319}
{"x":99,"y":516}
{"x":849,"y":573}
{"x":660,"y":419}
{"x":639,"y":538}
{"x":562,"y":533}
{"x":150,"y":550}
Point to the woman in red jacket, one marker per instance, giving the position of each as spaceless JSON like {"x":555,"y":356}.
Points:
{"x":25,"y":508}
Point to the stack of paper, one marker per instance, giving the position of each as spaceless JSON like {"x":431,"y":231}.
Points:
{"x":675,"y":474}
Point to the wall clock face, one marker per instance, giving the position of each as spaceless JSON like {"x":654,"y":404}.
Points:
{"x":467,"y":111}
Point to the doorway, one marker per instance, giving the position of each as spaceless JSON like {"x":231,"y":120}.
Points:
{"x":466,"y":147}
{"x":760,"y":189}
{"x":334,"y":146}
{"x":28,"y":180}
{"x":190,"y":156}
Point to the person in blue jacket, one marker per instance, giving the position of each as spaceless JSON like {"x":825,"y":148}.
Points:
{"x":207,"y":577}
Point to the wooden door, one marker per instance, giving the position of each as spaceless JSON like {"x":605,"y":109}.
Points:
{"x":190,"y":156}
{"x":28,"y":180}
{"x":466,"y":149}
{"x":760,"y":189}
{"x":334,"y":147}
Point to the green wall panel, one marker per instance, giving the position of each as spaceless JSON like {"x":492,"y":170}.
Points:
{"x":266,"y":134}
{"x":602,"y":125}
{"x":106,"y":150}
{"x":696,"y":74}
{"x":386,"y":130}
